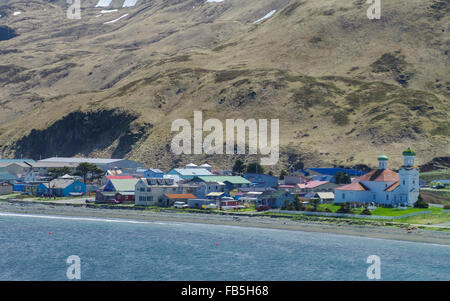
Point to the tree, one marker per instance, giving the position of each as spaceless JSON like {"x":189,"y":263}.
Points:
{"x":255,"y":167}
{"x":346,"y":178}
{"x":56,"y":172}
{"x":342,"y":178}
{"x":338,"y":177}
{"x":420,"y":203}
{"x":239,"y":167}
{"x":84,"y":169}
{"x":315,"y":203}
{"x":270,"y":173}
{"x":283,"y":173}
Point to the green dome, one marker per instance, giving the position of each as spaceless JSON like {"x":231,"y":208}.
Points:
{"x":383,"y":157}
{"x":409,"y":152}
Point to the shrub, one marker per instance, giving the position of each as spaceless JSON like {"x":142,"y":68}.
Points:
{"x":366,"y":211}
{"x":447,"y":206}
{"x":345,"y":208}
{"x":420,"y":203}
{"x":327,"y":210}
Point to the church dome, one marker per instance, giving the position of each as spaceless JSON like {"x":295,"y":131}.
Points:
{"x":409,"y":152}
{"x":383,"y":158}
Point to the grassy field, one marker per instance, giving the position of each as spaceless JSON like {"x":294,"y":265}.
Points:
{"x":437,"y":217}
{"x":435,"y":175}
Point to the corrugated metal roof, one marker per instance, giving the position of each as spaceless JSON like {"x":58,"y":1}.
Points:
{"x":180,"y":196}
{"x":193,"y":171}
{"x":231,"y":179}
{"x":124,"y":184}
{"x":325,"y":195}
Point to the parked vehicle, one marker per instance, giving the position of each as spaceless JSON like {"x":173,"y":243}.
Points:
{"x":180,"y":205}
{"x":210,"y":206}
{"x":262,"y":207}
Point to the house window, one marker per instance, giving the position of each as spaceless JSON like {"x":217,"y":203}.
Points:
{"x":387,"y":196}
{"x":403,"y":182}
{"x":149,"y":189}
{"x":142,"y":189}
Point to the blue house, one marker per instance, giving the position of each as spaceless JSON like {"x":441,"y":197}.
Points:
{"x":61,"y":188}
{"x":261,"y":180}
{"x":153,"y":173}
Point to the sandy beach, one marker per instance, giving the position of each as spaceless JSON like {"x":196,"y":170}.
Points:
{"x":418,"y":235}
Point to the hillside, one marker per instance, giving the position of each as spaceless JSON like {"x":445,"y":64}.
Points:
{"x":344,"y":87}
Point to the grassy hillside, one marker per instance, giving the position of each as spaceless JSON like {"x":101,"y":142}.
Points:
{"x":344,"y":87}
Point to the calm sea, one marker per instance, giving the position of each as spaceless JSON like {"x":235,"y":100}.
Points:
{"x":36,"y":248}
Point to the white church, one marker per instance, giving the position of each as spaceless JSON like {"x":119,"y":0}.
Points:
{"x":384,"y":186}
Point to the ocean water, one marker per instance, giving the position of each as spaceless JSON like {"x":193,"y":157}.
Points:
{"x":36,"y":248}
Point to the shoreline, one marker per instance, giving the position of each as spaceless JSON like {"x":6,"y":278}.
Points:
{"x":381,"y":232}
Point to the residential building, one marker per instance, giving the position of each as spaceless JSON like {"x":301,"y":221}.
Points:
{"x":6,"y":188}
{"x":107,"y":178}
{"x":315,"y":186}
{"x":153,"y":173}
{"x":230,"y":182}
{"x":42,"y":168}
{"x":189,"y":173}
{"x":168,"y":199}
{"x":324,"y":197}
{"x":199,"y":203}
{"x":294,"y":180}
{"x":201,"y":187}
{"x":121,"y":185}
{"x":61,"y":188}
{"x":274,"y":199}
{"x":261,"y":180}
{"x":150,"y":192}
{"x":6,"y":176}
{"x":17,"y":169}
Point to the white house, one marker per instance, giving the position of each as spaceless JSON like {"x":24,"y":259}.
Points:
{"x":384,"y":186}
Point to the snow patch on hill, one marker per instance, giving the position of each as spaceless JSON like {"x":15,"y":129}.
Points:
{"x":115,"y":20}
{"x":270,"y":14}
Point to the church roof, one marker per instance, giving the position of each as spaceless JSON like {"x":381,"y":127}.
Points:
{"x":392,"y":187}
{"x":379,"y":175}
{"x":355,"y":186}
